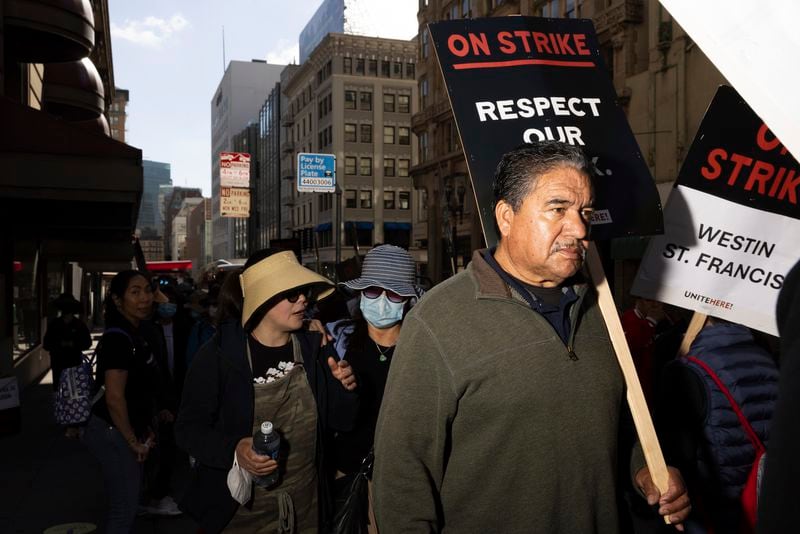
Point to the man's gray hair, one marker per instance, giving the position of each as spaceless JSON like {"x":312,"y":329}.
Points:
{"x":519,"y":169}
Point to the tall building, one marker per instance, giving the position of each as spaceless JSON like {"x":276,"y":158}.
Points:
{"x":150,"y":222}
{"x":172,"y":205}
{"x":266,"y":197}
{"x":353,"y":97}
{"x":179,"y":227}
{"x":198,"y":237}
{"x":373,"y":18}
{"x":237,"y":100}
{"x":117,"y":114}
{"x":243,"y":229}
{"x":663,"y":82}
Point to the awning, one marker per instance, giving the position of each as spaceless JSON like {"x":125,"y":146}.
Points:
{"x":397,"y":226}
{"x":360,"y":225}
{"x":322,"y":227}
{"x":74,"y":191}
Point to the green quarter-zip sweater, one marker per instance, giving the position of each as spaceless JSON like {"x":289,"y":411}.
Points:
{"x":490,"y":425}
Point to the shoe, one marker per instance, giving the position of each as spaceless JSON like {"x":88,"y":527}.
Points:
{"x":165,"y":506}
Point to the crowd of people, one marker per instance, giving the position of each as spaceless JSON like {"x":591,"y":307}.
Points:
{"x":492,"y":403}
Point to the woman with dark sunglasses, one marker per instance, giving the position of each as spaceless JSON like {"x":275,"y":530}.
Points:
{"x":386,"y":292}
{"x":261,"y":365}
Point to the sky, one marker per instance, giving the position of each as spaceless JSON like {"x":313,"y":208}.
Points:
{"x":168,"y":54}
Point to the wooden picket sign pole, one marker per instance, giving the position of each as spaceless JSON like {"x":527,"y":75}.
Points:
{"x":695,"y":325}
{"x":638,"y":406}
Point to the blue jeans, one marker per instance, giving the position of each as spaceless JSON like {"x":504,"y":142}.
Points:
{"x":122,"y":474}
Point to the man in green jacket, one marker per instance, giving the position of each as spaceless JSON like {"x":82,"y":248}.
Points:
{"x":503,"y":405}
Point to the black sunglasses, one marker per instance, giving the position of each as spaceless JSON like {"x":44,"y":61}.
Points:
{"x":374,"y":292}
{"x":294,"y":294}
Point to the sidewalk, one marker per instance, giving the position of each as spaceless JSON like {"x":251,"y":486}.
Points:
{"x":49,"y":480}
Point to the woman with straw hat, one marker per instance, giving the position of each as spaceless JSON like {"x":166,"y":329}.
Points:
{"x":262,"y":366}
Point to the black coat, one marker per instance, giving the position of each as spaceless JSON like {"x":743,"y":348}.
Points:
{"x":216,"y":412}
{"x":779,"y":493}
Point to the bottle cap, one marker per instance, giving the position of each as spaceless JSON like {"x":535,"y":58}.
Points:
{"x":266,"y":428}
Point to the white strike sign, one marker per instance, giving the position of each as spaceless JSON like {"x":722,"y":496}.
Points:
{"x":731,"y":223}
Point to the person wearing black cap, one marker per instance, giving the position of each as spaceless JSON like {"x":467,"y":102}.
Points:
{"x":261,"y":365}
{"x":67,"y":336}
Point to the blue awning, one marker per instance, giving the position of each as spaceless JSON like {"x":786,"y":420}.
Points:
{"x":322,"y":227}
{"x":397,"y":226}
{"x":360,"y":225}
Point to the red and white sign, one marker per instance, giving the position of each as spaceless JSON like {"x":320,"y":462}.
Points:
{"x":234,"y":169}
{"x":234,"y":202}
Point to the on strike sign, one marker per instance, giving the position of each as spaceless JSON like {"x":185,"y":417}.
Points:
{"x":731,"y":221}
{"x":234,"y":169}
{"x":515,"y":80}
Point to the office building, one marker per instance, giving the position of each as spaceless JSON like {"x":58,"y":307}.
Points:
{"x":150,"y":222}
{"x":237,"y":101}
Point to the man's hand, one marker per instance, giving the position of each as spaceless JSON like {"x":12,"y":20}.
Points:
{"x":342,"y":372}
{"x":251,"y":462}
{"x":674,"y":504}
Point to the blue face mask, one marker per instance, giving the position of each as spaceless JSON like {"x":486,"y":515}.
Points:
{"x":381,"y":312}
{"x":194,"y":314}
{"x":167,"y":310}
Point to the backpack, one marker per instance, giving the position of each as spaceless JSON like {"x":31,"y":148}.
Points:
{"x":751,"y":488}
{"x":75,"y":396}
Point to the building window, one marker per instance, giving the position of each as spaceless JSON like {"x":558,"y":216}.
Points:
{"x":466,"y":12}
{"x":388,"y":103}
{"x":366,"y":133}
{"x":424,"y":48}
{"x":349,"y":100}
{"x":404,"y":200}
{"x":347,"y":65}
{"x":360,"y":65}
{"x":550,"y":9}
{"x":350,"y":165}
{"x":388,"y":167}
{"x":423,"y":92}
{"x":365,"y":166}
{"x":388,"y":135}
{"x":423,"y":146}
{"x":372,"y":65}
{"x":402,"y":167}
{"x":454,"y":14}
{"x":410,"y":71}
{"x":350,"y":133}
{"x":385,"y":68}
{"x":350,"y":198}
{"x":403,"y":103}
{"x":388,"y":200}
{"x":366,"y":100}
{"x":397,"y":70}
{"x":403,"y":135}
{"x":365,"y":198}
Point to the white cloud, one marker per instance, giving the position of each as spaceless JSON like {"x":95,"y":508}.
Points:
{"x":284,"y":53}
{"x":152,"y":31}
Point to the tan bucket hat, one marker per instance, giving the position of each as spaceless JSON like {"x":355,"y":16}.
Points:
{"x":277,"y":274}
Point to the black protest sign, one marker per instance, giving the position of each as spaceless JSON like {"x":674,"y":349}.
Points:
{"x":516,"y":80}
{"x":736,"y":157}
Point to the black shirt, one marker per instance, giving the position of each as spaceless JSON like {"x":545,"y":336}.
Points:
{"x":371,"y":365}
{"x":265,"y":358}
{"x":133,"y":354}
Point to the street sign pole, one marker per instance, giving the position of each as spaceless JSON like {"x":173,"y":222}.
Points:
{"x":338,"y":230}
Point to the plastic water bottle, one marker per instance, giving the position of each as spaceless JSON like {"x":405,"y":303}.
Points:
{"x":267,"y":442}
